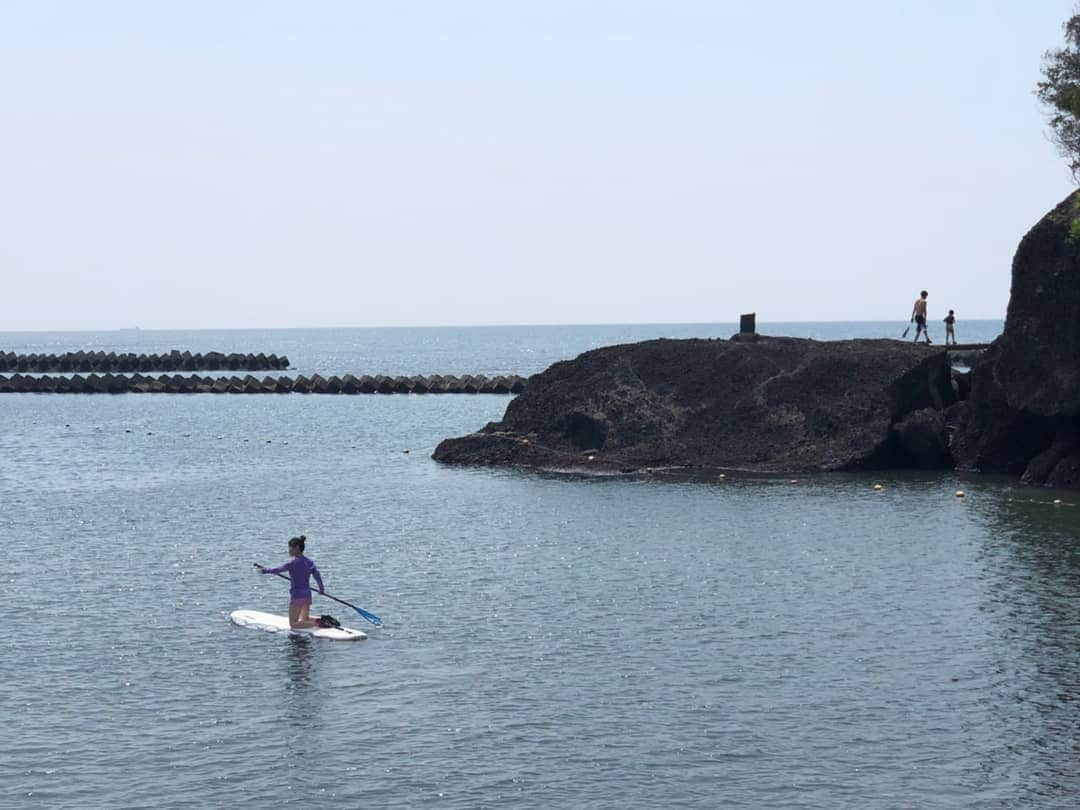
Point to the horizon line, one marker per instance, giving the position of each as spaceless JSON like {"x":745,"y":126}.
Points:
{"x":735,"y":323}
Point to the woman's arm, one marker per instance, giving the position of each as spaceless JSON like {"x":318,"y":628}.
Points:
{"x":318,"y":576}
{"x":277,"y":570}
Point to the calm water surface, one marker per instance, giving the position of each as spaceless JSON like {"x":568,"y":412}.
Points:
{"x":548,"y":641}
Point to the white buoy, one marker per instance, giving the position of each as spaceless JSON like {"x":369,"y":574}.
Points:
{"x":960,"y":493}
{"x":878,"y":487}
{"x":1057,"y":501}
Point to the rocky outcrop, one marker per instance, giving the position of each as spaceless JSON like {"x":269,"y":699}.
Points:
{"x":922,"y":440}
{"x":1058,"y":464}
{"x":771,"y":404}
{"x":783,"y":404}
{"x":1023,"y":411}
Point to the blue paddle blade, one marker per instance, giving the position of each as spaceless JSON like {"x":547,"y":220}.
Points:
{"x":371,"y":617}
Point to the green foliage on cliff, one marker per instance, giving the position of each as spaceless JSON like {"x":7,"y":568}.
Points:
{"x":1072,"y":217}
{"x":1060,"y":94}
{"x":1073,"y":238}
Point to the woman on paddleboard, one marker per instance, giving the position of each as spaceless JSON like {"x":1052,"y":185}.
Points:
{"x":299,"y":568}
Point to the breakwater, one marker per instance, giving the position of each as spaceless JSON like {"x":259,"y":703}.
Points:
{"x":315,"y":384}
{"x":175,"y":360}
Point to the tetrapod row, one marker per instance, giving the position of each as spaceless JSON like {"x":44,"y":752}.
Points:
{"x":86,"y":362}
{"x":315,"y":384}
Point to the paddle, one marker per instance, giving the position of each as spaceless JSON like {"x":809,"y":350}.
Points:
{"x":371,"y":617}
{"x":906,"y":331}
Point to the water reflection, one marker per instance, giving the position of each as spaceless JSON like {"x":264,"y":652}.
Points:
{"x":299,"y":662}
{"x":303,"y":698}
{"x":1031,"y":569}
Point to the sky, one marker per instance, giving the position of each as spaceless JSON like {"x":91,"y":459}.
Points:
{"x":279,"y":164}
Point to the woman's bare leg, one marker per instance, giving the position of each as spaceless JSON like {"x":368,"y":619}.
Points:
{"x":298,"y":615}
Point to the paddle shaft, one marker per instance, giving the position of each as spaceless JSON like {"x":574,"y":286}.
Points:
{"x":369,"y":616}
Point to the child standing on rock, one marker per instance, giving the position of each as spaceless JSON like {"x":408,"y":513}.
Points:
{"x":950,"y":320}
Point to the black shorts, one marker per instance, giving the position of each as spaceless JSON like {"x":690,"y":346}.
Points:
{"x":920,"y":320}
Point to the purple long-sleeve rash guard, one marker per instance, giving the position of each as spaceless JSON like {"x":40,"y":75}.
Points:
{"x":299,"y":568}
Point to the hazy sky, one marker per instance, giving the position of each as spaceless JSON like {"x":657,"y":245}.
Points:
{"x":279,"y":164}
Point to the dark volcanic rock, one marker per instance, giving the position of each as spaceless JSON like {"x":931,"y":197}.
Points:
{"x":1066,"y":473}
{"x":962,"y":383}
{"x":922,"y":440}
{"x":1025,"y":391}
{"x":1040,"y":345}
{"x":1065,"y":444}
{"x":991,"y":436}
{"x":772,"y":404}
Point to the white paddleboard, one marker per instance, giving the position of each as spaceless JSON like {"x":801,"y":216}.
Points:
{"x":273,"y":623}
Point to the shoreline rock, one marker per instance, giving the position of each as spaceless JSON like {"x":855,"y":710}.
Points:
{"x":768,"y":405}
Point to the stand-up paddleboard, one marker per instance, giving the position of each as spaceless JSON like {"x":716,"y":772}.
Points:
{"x":273,"y":623}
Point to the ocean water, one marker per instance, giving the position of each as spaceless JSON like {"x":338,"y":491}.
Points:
{"x":447,"y":350}
{"x":549,"y":641}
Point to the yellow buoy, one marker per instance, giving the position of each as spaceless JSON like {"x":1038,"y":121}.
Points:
{"x":959,"y":493}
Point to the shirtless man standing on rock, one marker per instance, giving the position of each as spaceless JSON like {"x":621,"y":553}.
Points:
{"x":918,"y":315}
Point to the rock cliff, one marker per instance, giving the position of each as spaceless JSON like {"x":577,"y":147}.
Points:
{"x":1023,"y":414}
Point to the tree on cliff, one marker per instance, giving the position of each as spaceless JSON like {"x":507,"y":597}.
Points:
{"x":1060,"y":93}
